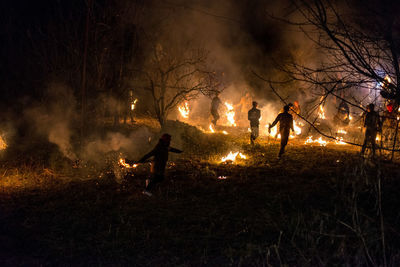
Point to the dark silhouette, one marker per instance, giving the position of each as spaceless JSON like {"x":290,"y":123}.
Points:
{"x":342,"y":117}
{"x":214,"y":108}
{"x":253,"y":116}
{"x":285,"y":124}
{"x":372,"y":125}
{"x":160,"y":158}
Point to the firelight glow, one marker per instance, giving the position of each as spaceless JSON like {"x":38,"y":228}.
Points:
{"x":184,"y":110}
{"x":230,"y":114}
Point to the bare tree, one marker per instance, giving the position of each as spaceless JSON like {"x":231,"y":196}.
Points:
{"x":358,"y":58}
{"x":172,"y":74}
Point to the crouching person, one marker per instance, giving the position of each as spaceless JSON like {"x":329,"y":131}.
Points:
{"x":158,"y":163}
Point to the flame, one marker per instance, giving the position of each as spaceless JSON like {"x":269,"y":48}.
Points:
{"x":133,"y":104}
{"x":225,"y":132}
{"x":350,"y":117}
{"x":211,"y":128}
{"x":230,"y":114}
{"x":222,"y":177}
{"x":319,"y":141}
{"x":274,"y":131}
{"x":3,"y":144}
{"x":341,"y":131}
{"x":184,"y":110}
{"x":339,"y":141}
{"x":232,"y":156}
{"x":126,"y":165}
{"x":297,"y":129}
{"x":321,"y":113}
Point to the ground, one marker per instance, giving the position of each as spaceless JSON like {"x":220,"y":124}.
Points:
{"x":317,"y":206}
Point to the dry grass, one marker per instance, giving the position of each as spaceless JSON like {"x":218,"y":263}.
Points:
{"x":316,"y":207}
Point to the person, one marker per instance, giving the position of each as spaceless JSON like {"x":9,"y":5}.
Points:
{"x":159,"y":161}
{"x":243,"y":106}
{"x":214,"y":108}
{"x":343,"y":115}
{"x":253,"y":116}
{"x":129,"y":106}
{"x":372,"y":125}
{"x":285,"y":125}
{"x":294,"y":109}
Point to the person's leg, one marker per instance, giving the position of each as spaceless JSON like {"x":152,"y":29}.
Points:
{"x":373,"y":143}
{"x":284,"y":141}
{"x":157,"y":178}
{"x":364,"y":146}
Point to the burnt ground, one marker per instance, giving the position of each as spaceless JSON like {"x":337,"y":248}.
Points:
{"x":318,"y":206}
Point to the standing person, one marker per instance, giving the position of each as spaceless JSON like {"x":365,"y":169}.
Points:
{"x":254,"y":116}
{"x":372,"y":125}
{"x":285,"y":124}
{"x":214,"y":108}
{"x":160,"y":158}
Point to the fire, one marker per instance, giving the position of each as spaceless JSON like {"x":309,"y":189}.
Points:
{"x":211,"y":129}
{"x":319,"y":141}
{"x":341,"y":131}
{"x":321,"y":113}
{"x":339,"y":141}
{"x":184,"y":110}
{"x":225,"y":132}
{"x":230,"y":114}
{"x":297,"y":129}
{"x":232,"y":156}
{"x":274,"y":131}
{"x":133,"y":104}
{"x":3,"y":144}
{"x":126,"y":165}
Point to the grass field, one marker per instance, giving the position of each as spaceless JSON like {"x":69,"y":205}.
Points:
{"x":318,"y":206}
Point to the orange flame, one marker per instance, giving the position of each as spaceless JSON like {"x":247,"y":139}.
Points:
{"x":319,"y":141}
{"x":126,"y":165}
{"x":230,"y":114}
{"x":184,"y":110}
{"x":232,"y":156}
{"x":3,"y":144}
{"x":133,"y":104}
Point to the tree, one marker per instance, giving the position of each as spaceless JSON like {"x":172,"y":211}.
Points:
{"x":172,"y":74}
{"x":358,"y":60}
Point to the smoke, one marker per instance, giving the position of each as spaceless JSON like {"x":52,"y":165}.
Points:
{"x":132,"y":145}
{"x":54,"y":117}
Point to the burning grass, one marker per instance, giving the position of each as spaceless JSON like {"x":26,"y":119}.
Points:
{"x":296,"y":211}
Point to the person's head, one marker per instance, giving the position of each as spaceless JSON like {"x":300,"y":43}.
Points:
{"x":286,"y":108}
{"x":255,"y":104}
{"x":370,"y":107}
{"x":165,"y":139}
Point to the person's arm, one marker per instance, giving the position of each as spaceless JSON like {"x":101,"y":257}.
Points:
{"x":275,"y":121}
{"x":175,"y":150}
{"x":148,"y":155}
{"x":291,"y":124}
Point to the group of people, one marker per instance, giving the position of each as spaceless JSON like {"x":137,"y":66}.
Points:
{"x":285,"y":120}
